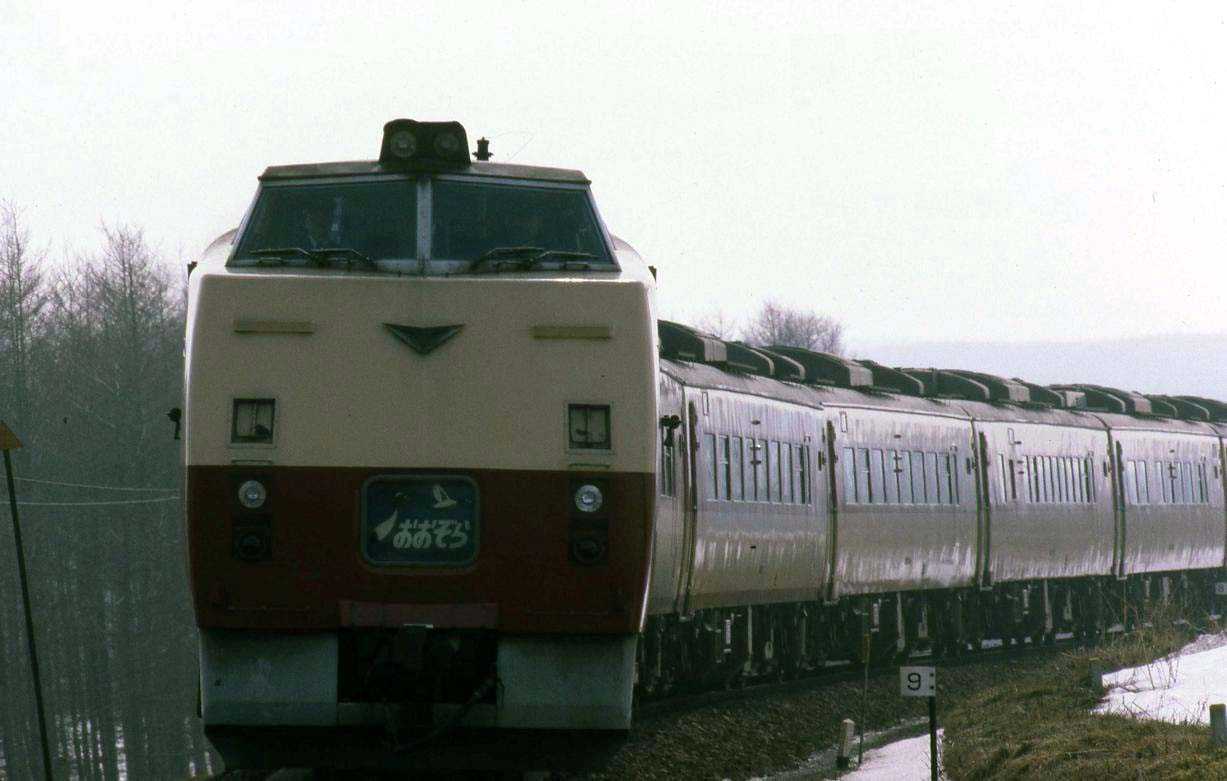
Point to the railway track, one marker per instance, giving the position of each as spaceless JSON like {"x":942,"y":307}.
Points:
{"x":993,"y":650}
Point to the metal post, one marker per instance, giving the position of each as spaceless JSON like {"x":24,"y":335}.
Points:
{"x":843,"y":754}
{"x":1218,"y":724}
{"x":866,"y":646}
{"x":8,"y":441}
{"x":933,"y":738}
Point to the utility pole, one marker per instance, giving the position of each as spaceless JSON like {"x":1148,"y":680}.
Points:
{"x":8,"y":443}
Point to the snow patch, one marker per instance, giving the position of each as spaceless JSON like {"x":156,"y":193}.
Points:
{"x":1178,"y":688}
{"x":902,"y":760}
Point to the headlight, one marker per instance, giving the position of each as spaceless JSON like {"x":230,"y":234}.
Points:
{"x":447,"y":144}
{"x":403,"y":144}
{"x":588,"y":498}
{"x":252,"y":494}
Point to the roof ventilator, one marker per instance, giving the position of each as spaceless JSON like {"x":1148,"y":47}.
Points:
{"x":785,"y":368}
{"x":827,"y":369}
{"x":1216,"y":410}
{"x":1161,"y":406}
{"x":949,"y":385}
{"x":999,"y":388}
{"x":683,"y":343}
{"x":1042,"y":396}
{"x":892,"y":380}
{"x":744,"y":358}
{"x":1106,"y":399}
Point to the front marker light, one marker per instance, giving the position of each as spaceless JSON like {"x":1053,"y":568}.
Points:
{"x":588,"y":498}
{"x":252,"y":494}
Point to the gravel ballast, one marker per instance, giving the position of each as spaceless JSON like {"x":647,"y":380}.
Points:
{"x":761,"y":735}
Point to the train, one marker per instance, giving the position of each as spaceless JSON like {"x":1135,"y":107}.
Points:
{"x":455,"y":491}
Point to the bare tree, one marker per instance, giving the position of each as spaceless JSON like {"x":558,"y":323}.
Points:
{"x":718,"y":323}
{"x":22,"y":298}
{"x":103,"y":337}
{"x":782,"y":325}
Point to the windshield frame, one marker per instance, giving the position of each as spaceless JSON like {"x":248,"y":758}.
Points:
{"x":425,"y":263}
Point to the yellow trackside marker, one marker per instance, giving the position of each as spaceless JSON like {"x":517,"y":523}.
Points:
{"x":572,"y":331}
{"x":273,"y":327}
{"x":8,"y":440}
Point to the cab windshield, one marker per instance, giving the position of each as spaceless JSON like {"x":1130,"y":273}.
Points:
{"x":475,"y":227}
{"x":472,"y":220}
{"x":295,"y":223}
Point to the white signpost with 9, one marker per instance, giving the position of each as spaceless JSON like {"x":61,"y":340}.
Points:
{"x":922,"y":682}
{"x":918,"y":681}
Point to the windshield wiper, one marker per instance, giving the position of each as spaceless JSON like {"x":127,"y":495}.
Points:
{"x":317,"y":257}
{"x":524,"y":258}
{"x":509,"y":252}
{"x":499,"y":258}
{"x":281,"y":254}
{"x":555,"y":254}
{"x":323,"y":254}
{"x":560,"y":254}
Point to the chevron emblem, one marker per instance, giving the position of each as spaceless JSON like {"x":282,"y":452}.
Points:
{"x":423,"y":340}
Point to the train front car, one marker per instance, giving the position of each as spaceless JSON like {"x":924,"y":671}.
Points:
{"x":420,"y":449}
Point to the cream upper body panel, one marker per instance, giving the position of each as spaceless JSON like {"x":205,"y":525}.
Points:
{"x":349,"y":393}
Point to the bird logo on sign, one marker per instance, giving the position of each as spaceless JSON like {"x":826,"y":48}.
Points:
{"x":442,"y":500}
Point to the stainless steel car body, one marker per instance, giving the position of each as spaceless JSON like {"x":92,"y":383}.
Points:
{"x":1040,"y":533}
{"x":1033,"y":494}
{"x":1185,"y":532}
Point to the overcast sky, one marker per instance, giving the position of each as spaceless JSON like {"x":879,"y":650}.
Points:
{"x":920,"y":171}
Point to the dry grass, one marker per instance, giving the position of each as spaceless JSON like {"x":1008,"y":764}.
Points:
{"x":1041,"y":725}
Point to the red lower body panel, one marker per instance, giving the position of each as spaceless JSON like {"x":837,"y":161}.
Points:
{"x":311,"y":573}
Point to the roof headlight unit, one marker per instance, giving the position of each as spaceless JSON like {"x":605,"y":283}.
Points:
{"x":588,"y":498}
{"x":446,"y":144}
{"x":252,"y":494}
{"x":408,"y":144}
{"x":403,"y":143}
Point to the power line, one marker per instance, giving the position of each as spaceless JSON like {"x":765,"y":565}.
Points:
{"x":97,"y":504}
{"x":90,"y":485}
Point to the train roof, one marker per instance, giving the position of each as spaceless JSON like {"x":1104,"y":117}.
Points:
{"x":375,"y":168}
{"x":820,"y":379}
{"x":701,"y":375}
{"x":705,"y":376}
{"x":1124,"y":422}
{"x":1015,"y":413}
